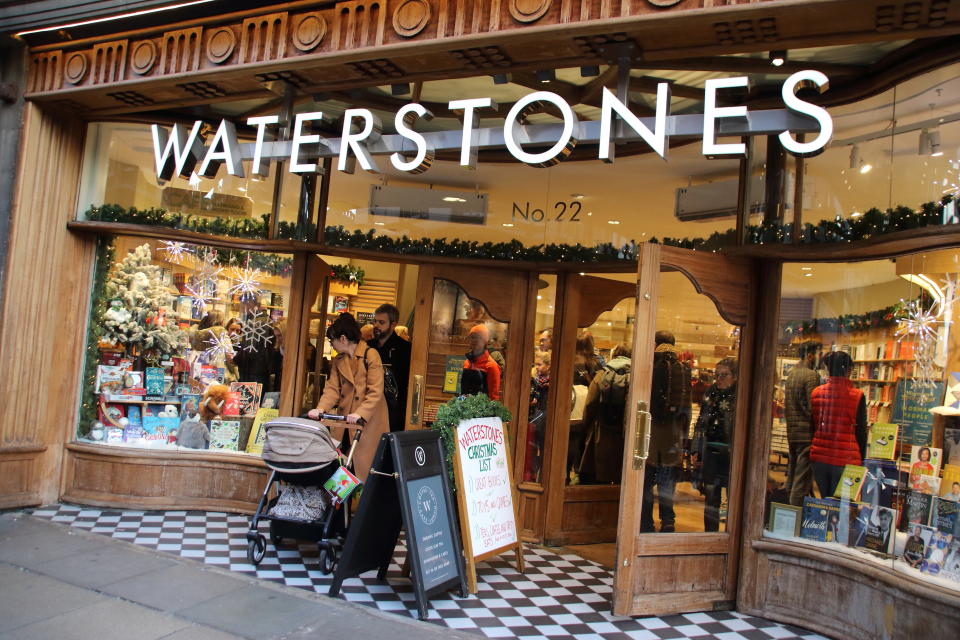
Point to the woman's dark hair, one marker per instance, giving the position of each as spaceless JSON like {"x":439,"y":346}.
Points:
{"x":345,"y":325}
{"x":920,"y":454}
{"x":212,"y":319}
{"x":838,"y":363}
{"x":729,"y":363}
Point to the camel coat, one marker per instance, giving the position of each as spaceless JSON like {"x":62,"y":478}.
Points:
{"x":357,"y":387}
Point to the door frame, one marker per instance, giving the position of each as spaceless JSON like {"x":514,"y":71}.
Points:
{"x":683,"y":557}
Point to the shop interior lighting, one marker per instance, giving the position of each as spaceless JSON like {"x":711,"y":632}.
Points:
{"x":546,"y":75}
{"x":400,"y":89}
{"x":613,"y":222}
{"x":576,"y":196}
{"x":453,"y":199}
{"x":935,"y":149}
{"x":589,"y":72}
{"x":777,"y":58}
{"x":926,"y":283}
{"x":501,"y":78}
{"x":508,"y":224}
{"x":856,"y":162}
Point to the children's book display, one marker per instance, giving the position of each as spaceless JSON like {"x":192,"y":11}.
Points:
{"x":150,"y":408}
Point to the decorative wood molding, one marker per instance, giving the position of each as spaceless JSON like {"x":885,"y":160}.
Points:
{"x":351,"y":43}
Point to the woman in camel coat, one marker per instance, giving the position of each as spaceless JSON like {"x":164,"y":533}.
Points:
{"x":355,"y":389}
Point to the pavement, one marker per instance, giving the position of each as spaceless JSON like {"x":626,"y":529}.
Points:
{"x":65,"y":583}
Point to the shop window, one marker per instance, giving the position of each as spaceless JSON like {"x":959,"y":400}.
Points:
{"x":542,"y":368}
{"x":865,"y":441}
{"x":119,"y":184}
{"x":185,"y":345}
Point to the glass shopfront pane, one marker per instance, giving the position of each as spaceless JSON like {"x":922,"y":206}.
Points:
{"x":863,"y":458}
{"x":185,"y":345}
{"x":542,"y":367}
{"x":119,"y":169}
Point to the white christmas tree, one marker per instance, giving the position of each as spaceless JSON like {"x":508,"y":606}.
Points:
{"x":137,"y":303}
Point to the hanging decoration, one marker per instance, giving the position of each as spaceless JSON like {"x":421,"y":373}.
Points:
{"x":176,"y":251}
{"x":348,"y":273}
{"x":246,"y":283}
{"x":256,"y":330}
{"x":219,"y":344}
{"x":920,"y":323}
{"x":853,"y":322}
{"x":203,"y":284}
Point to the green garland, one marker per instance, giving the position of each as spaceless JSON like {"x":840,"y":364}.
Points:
{"x":237,"y":228}
{"x":348,"y":273}
{"x":270,"y":263}
{"x":872,"y":223}
{"x":457,"y":410}
{"x":98,"y":303}
{"x":852,"y":322}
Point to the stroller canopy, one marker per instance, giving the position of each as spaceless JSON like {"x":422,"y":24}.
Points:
{"x":297,"y":445}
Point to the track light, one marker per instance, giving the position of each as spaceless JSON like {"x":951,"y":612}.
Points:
{"x":930,"y":144}
{"x":501,"y":78}
{"x":546,"y":75}
{"x":400,"y":89}
{"x":777,"y":58}
{"x":589,"y":72}
{"x":856,"y":162}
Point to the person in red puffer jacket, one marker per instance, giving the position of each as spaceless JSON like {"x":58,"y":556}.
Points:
{"x":840,"y":424}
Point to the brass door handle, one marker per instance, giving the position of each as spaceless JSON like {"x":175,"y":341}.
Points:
{"x":641,"y":439}
{"x":417,"y":403}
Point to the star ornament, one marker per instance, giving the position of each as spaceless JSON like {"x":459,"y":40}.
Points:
{"x":918,"y":322}
{"x":246,"y":283}
{"x":176,"y":251}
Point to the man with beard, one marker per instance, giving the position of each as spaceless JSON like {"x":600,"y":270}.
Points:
{"x":395,"y":354}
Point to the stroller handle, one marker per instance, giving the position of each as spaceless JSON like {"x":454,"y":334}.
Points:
{"x":336,"y":417}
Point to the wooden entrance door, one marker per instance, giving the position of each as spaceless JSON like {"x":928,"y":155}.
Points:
{"x":450,"y":301}
{"x":690,"y":569}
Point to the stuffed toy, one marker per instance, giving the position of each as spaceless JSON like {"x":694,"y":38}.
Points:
{"x":193,"y":433}
{"x":214,"y":398}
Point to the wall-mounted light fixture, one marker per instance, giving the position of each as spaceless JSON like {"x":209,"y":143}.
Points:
{"x":777,"y":58}
{"x":546,"y":75}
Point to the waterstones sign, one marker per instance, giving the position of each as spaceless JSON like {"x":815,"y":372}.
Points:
{"x":178,"y":151}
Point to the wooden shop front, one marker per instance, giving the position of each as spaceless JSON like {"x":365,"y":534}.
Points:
{"x":544,"y":257}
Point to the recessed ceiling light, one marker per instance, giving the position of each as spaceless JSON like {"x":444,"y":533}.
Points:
{"x":613,"y":222}
{"x":453,"y":199}
{"x":508,"y":224}
{"x":380,"y":224}
{"x":578,"y":196}
{"x":582,"y":273}
{"x":539,"y":297}
{"x":808,"y":275}
{"x":806,"y":268}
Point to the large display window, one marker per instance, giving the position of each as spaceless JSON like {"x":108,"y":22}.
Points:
{"x":185,"y":348}
{"x":865,"y":450}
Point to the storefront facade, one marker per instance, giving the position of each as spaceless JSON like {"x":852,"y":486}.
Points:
{"x":488,"y":226}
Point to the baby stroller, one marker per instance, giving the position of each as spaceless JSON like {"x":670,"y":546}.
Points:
{"x":301,"y":453}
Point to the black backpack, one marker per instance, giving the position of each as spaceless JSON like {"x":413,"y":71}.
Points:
{"x":391,"y":390}
{"x":614,"y":388}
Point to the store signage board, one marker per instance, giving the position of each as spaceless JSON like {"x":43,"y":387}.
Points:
{"x":179,"y":152}
{"x":407,"y":488}
{"x":485,"y":493}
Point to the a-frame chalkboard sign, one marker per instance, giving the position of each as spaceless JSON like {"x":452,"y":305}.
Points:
{"x":407,"y":487}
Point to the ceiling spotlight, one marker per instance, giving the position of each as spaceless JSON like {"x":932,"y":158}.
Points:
{"x":546,"y":75}
{"x":777,"y":58}
{"x":400,"y":89}
{"x":935,"y":150}
{"x":577,"y":196}
{"x":589,"y":72}
{"x":856,"y":162}
{"x":501,"y":78}
{"x":613,"y":222}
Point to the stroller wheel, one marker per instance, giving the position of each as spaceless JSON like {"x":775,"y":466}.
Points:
{"x":327,"y":562}
{"x":255,"y":549}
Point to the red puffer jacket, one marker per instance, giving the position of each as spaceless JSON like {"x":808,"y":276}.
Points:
{"x":834,"y":406}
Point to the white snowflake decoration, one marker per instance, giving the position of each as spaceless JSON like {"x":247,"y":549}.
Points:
{"x":246,"y":283}
{"x":256,"y":330}
{"x":204,"y":281}
{"x":921,"y":325}
{"x":218,"y":344}
{"x":176,"y":251}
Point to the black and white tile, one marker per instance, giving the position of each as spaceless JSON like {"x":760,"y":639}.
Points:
{"x":560,"y":596}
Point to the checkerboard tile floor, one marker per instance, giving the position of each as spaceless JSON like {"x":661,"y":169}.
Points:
{"x":561,"y":596}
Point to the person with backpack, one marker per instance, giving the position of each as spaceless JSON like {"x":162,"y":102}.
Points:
{"x":395,"y":354}
{"x":355,"y":389}
{"x":603,"y":415}
{"x":670,"y":395}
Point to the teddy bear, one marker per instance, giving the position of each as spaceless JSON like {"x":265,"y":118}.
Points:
{"x":213,"y":400}
{"x":193,"y":432}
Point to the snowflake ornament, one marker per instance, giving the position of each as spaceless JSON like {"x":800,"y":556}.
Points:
{"x":246,"y":283}
{"x":922,"y":325}
{"x":219,"y":344}
{"x":176,"y":251}
{"x":256,"y":330}
{"x":204,"y":281}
